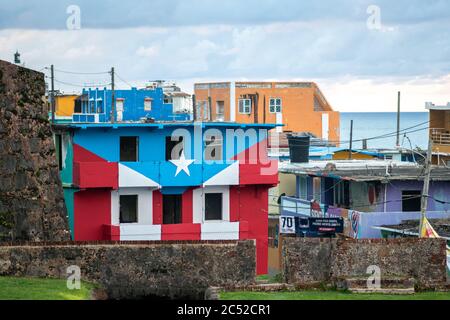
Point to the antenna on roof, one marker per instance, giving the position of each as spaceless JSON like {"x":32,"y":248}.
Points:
{"x":17,"y":57}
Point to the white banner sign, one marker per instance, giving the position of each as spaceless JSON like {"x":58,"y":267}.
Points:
{"x":287,"y":224}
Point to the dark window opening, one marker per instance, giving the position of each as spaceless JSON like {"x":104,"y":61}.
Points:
{"x":411,"y":200}
{"x":58,"y":146}
{"x":128,"y":149}
{"x":128,"y":208}
{"x":77,"y":108}
{"x":172,"y":209}
{"x":174,"y":148}
{"x":342,"y":194}
{"x":346,"y":194}
{"x":213,"y":206}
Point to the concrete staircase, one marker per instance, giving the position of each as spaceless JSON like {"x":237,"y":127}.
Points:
{"x":389,"y":285}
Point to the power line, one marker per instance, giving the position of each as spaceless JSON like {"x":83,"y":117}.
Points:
{"x":81,"y":73}
{"x":437,"y":200}
{"x":361,"y":206}
{"x":391,"y":134}
{"x":124,"y":81}
{"x":386,"y":135}
{"x":79,"y":85}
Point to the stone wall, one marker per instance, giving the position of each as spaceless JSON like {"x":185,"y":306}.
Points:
{"x":133,"y":270}
{"x":308,"y":260}
{"x":31,"y":195}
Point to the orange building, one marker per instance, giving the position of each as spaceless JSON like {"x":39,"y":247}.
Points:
{"x":440,"y":133}
{"x":299,"y":106}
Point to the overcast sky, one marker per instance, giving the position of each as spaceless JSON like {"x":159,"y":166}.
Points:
{"x":359,"y":64}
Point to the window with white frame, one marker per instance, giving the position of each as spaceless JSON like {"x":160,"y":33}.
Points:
{"x":148,"y":104}
{"x":128,"y":206}
{"x":213,"y":206}
{"x":132,"y":206}
{"x":100,"y":106}
{"x":303,"y":188}
{"x":245,"y":106}
{"x":275,"y":105}
{"x":220,"y":110}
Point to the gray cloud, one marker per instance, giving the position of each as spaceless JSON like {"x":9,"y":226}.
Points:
{"x":51,"y":14}
{"x":223,"y":40}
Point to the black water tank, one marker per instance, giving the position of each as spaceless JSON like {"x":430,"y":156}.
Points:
{"x":299,"y":148}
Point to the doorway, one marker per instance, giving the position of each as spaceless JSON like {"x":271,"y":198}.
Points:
{"x":172,"y":208}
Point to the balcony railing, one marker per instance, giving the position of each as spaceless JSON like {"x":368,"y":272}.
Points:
{"x":95,"y":175}
{"x":440,"y":136}
{"x":292,"y":205}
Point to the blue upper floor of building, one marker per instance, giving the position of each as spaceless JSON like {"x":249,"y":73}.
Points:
{"x":164,"y":154}
{"x":95,"y":106}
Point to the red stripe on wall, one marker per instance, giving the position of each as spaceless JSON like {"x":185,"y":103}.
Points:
{"x":157,"y":207}
{"x":188,"y":231}
{"x":235,"y":206}
{"x":92,"y":211}
{"x":255,"y":166}
{"x":254,"y":200}
{"x":96,"y":175}
{"x":81,"y":154}
{"x":186,"y":207}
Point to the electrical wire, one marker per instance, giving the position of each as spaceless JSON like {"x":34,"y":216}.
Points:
{"x":79,"y":85}
{"x":361,"y":206}
{"x":383,"y":136}
{"x":74,"y":72}
{"x":124,"y":81}
{"x":438,"y":200}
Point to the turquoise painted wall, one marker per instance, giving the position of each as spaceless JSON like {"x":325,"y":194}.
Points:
{"x":68,"y":197}
{"x":67,"y":171}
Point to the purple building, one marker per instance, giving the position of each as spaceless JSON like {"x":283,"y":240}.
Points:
{"x":367,"y":193}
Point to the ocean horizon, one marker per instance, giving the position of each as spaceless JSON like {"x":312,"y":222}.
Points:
{"x":375,"y":124}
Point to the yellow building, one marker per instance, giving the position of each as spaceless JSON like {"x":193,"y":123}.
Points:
{"x":356,"y":155}
{"x":65,"y":105}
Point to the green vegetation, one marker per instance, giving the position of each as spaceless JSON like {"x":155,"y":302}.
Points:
{"x":41,"y":289}
{"x":330,"y":295}
{"x":270,"y":279}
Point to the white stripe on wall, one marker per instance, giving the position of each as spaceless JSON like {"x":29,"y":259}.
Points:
{"x":232,"y":101}
{"x":220,"y":231}
{"x":140,"y":232}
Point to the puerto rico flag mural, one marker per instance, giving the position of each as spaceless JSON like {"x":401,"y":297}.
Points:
{"x":173,"y":181}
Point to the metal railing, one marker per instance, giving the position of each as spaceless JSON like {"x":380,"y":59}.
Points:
{"x":440,"y":136}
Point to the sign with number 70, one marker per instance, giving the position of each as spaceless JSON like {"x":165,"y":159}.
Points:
{"x":287,"y":224}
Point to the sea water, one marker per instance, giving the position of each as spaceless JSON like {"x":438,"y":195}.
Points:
{"x":374,"y":124}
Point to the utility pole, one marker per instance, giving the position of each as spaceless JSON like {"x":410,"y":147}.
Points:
{"x":194,"y":107}
{"x":351,"y":141}
{"x":398,"y":120}
{"x":52,"y":97}
{"x":426,"y":185}
{"x":113,"y":99}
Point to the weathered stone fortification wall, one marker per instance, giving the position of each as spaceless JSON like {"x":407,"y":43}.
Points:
{"x":133,"y":270}
{"x":307,"y":260}
{"x":31,"y":196}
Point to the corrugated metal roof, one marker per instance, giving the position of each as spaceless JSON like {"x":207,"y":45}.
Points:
{"x":365,"y":170}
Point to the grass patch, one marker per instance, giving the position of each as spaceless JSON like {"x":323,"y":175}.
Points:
{"x":330,"y":295}
{"x":12,"y":288}
{"x":270,"y":279}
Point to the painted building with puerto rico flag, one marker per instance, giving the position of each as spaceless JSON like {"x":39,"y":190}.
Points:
{"x":167,"y":181}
